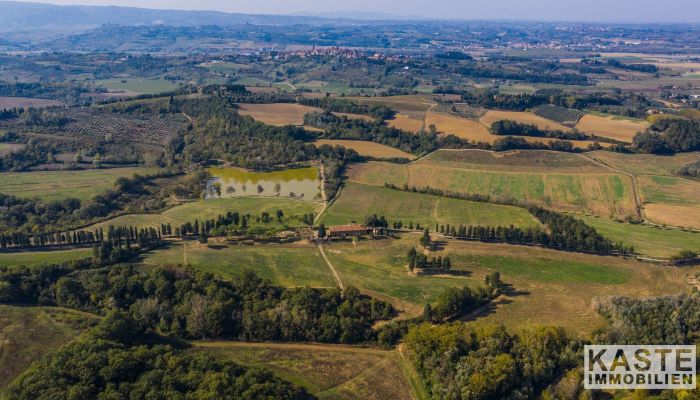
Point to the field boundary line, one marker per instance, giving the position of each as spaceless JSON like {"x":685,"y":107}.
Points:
{"x":355,"y":378}
{"x":635,"y":187}
{"x":323,"y":194}
{"x":290,"y":346}
{"x":419,"y":391}
{"x":332,"y":268}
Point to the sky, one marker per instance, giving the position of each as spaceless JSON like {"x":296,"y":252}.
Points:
{"x":538,"y":10}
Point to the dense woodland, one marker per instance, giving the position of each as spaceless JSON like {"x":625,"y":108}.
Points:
{"x":661,"y":320}
{"x":194,"y":305}
{"x":669,"y":135}
{"x":459,"y":362}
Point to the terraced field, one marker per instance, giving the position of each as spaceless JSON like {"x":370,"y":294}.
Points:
{"x":560,"y":181}
{"x":549,"y":287}
{"x":57,"y":185}
{"x":358,"y":201}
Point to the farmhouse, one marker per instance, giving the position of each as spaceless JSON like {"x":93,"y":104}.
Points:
{"x":347,"y":230}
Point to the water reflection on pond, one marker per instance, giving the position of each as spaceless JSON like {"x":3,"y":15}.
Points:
{"x":236,"y":182}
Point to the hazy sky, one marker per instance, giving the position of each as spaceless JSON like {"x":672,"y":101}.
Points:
{"x":559,"y":10}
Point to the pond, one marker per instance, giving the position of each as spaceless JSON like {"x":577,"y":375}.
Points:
{"x":302,"y":183}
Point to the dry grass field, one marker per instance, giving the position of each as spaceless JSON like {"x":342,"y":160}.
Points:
{"x":56,"y":185}
{"x":549,"y":287}
{"x":326,"y":371}
{"x":667,"y":198}
{"x":406,"y":123}
{"x":23,"y":102}
{"x":354,"y":116}
{"x":674,"y":214}
{"x":369,"y":149}
{"x":277,"y":114}
{"x":611,"y":127}
{"x":644,"y":164}
{"x":7,"y":148}
{"x":564,"y":182}
{"x":29,"y":333}
{"x":410,"y":110}
{"x":522,"y":117}
{"x":460,"y":127}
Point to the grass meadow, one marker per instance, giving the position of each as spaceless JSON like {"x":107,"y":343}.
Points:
{"x":41,"y":258}
{"x":277,"y":114}
{"x":357,"y":201}
{"x":138,"y":85}
{"x":369,"y":149}
{"x":598,"y":192}
{"x":57,"y":185}
{"x":29,"y":333}
{"x":284,"y":265}
{"x":548,"y":287}
{"x":207,"y":209}
{"x":652,"y":241}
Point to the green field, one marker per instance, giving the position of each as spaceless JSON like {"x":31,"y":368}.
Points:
{"x":138,"y":85}
{"x":357,"y":201}
{"x":225,"y":67}
{"x":289,"y":266}
{"x":670,"y":190}
{"x":647,"y":240}
{"x":57,"y":185}
{"x":252,"y":82}
{"x":549,"y":287}
{"x":326,"y":371}
{"x":588,"y":190}
{"x":40,"y":258}
{"x":29,"y":333}
{"x":207,"y":209}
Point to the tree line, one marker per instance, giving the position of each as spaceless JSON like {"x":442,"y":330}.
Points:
{"x":510,"y":127}
{"x":331,"y":104}
{"x":378,"y":132}
{"x":562,"y":232}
